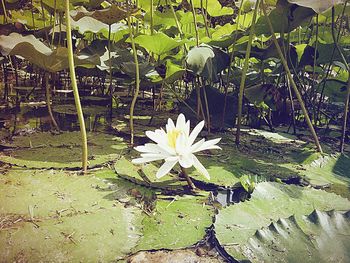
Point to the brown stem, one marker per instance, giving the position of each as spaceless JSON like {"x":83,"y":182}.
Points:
{"x":188,"y":179}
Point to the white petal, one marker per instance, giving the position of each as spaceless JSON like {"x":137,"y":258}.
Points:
{"x":195,"y":146}
{"x":149,"y":148}
{"x":208,"y":145}
{"x":187,"y":129}
{"x":147,"y":158}
{"x":195,"y":132}
{"x":165,"y":168}
{"x":200,"y":168}
{"x":186,"y":161}
{"x":170,"y":126}
{"x":181,"y":145}
{"x":181,"y":122}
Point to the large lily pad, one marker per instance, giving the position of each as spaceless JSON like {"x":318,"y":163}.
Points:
{"x":64,"y":218}
{"x":177,"y":222}
{"x":270,"y":201}
{"x":146,"y":175}
{"x":332,"y":171}
{"x":318,"y":237}
{"x":45,"y":150}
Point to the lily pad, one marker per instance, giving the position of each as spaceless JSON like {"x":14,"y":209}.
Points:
{"x":64,"y":217}
{"x":269,"y":202}
{"x":332,"y":171}
{"x":45,"y":150}
{"x":318,"y":237}
{"x":177,"y":222}
{"x":146,"y":175}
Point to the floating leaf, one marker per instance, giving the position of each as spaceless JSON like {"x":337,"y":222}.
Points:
{"x":318,"y":237}
{"x":235,"y":224}
{"x":187,"y":215}
{"x":64,"y":217}
{"x":44,"y":150}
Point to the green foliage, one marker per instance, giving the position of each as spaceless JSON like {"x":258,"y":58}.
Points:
{"x":269,"y":203}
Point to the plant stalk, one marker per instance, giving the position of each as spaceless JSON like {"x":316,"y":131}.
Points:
{"x":137,"y":82}
{"x":244,"y":73}
{"x":76,"y":91}
{"x":188,"y":179}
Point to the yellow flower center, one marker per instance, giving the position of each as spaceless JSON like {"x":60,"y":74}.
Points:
{"x":172,"y":137}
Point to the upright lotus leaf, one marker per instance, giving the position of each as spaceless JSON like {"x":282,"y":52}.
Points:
{"x":213,"y":7}
{"x":39,"y":54}
{"x":158,"y":43}
{"x":284,"y":17}
{"x":177,"y":222}
{"x":163,"y":19}
{"x":207,"y":61}
{"x":265,"y":93}
{"x":90,"y":24}
{"x":59,"y":6}
{"x":109,"y":16}
{"x":63,"y":217}
{"x":317,"y":237}
{"x":12,"y":5}
{"x":318,"y":6}
{"x":147,"y":71}
{"x":334,"y":89}
{"x":26,"y":17}
{"x":269,"y":202}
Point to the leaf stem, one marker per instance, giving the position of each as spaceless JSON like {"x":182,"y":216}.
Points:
{"x":76,"y":91}
{"x":188,"y":179}
{"x":244,"y":73}
{"x":137,"y":81}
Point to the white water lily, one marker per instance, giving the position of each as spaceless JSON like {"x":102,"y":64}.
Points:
{"x":175,"y":144}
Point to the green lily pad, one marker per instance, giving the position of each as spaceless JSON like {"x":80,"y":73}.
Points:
{"x":270,"y":201}
{"x":146,"y":175}
{"x":318,"y":237}
{"x":332,"y":171}
{"x":64,"y":218}
{"x":177,"y":222}
{"x":70,"y":109}
{"x":45,"y":150}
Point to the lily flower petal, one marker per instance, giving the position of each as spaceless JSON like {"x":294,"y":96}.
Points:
{"x":207,"y":145}
{"x":149,"y":148}
{"x":200,"y":168}
{"x":165,"y":168}
{"x":186,"y":161}
{"x":170,"y":125}
{"x":195,"y":132}
{"x":180,"y":122}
